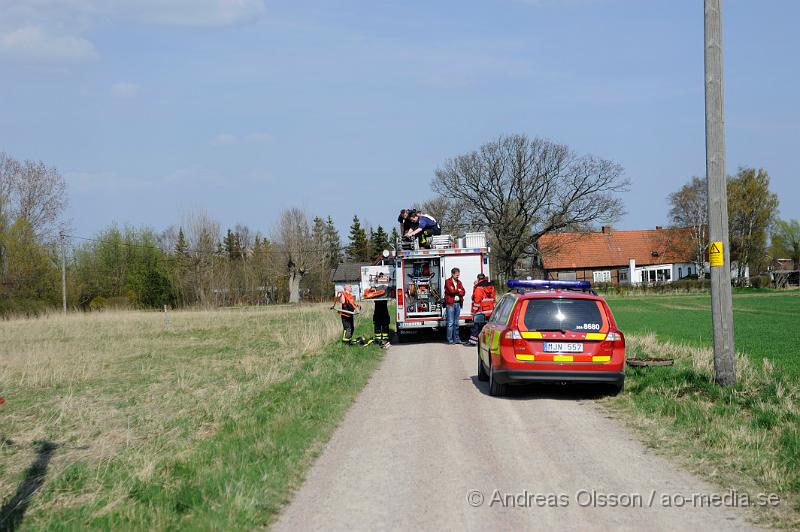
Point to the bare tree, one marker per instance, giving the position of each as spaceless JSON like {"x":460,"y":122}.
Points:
{"x":520,"y":189}
{"x":33,"y":191}
{"x":202,"y":234}
{"x":689,"y":208}
{"x":245,"y":236}
{"x":447,"y":212}
{"x":294,"y":239}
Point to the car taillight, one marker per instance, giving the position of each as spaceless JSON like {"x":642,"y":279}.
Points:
{"x":399,"y":297}
{"x":613,"y":337}
{"x":513,"y":338}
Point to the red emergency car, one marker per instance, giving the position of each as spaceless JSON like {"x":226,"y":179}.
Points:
{"x":556,"y":331}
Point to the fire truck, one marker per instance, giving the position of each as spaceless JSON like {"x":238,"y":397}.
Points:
{"x":418,"y":276}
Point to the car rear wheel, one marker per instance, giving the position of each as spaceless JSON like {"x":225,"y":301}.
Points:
{"x":482,"y":375}
{"x":616,"y":388}
{"x":496,"y":389}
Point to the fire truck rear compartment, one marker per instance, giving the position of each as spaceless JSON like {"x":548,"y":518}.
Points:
{"x":423,"y":288}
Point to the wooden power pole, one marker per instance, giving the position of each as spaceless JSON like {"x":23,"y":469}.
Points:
{"x":718,"y":247}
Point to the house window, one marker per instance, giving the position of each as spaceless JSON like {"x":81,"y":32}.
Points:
{"x":567,"y":276}
{"x":602,"y":276}
{"x":680,"y":272}
{"x":623,"y":275}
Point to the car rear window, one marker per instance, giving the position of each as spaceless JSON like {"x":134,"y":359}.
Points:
{"x":582,"y":315}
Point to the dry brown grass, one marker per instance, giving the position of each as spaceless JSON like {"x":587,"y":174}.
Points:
{"x":129,"y":384}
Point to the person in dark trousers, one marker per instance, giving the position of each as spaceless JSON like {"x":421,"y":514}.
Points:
{"x":453,"y":298}
{"x":348,"y":301}
{"x":426,"y":227}
{"x":483,"y":299}
{"x":404,"y":219}
{"x":380,"y":320}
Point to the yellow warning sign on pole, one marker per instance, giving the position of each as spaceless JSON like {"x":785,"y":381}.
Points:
{"x":715,"y":256}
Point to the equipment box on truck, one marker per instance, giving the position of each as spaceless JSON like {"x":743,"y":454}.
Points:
{"x":420,"y":275}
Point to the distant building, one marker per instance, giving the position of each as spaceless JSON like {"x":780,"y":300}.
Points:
{"x":619,"y":257}
{"x":348,"y":273}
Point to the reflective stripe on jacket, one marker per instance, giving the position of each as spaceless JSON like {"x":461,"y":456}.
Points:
{"x":483,"y":298}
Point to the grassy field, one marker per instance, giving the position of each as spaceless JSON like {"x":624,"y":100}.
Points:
{"x":745,"y":437}
{"x":766,"y":324}
{"x":123,"y":420}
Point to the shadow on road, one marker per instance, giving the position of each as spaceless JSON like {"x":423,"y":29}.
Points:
{"x":547,"y":390}
{"x":13,"y":510}
{"x":426,"y":336}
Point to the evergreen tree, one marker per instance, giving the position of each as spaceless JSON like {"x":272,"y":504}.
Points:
{"x":181,"y":246}
{"x":318,"y":234}
{"x":380,"y":242}
{"x":358,"y":250}
{"x":231,"y":246}
{"x":317,"y":279}
{"x":333,"y":243}
{"x":394,"y":239}
{"x":371,"y":252}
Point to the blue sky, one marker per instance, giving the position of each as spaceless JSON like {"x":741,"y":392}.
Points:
{"x":155,"y":108}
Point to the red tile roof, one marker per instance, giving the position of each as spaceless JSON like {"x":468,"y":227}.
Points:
{"x":615,"y":248}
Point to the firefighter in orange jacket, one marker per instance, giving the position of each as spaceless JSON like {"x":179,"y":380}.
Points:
{"x":348,"y":301}
{"x":483,"y":298}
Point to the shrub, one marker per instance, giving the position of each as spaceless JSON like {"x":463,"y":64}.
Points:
{"x":761,"y":281}
{"x":98,"y":303}
{"x":29,"y":308}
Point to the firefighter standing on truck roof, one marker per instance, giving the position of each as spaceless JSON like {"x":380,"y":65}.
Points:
{"x":426,"y":227}
{"x":348,"y":301}
{"x":483,"y":298}
{"x":405,"y":222}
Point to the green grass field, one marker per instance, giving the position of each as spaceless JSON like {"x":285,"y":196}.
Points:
{"x":766,"y":324}
{"x":120,"y":420}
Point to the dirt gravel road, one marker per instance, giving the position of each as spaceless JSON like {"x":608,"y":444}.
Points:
{"x":425,"y":447}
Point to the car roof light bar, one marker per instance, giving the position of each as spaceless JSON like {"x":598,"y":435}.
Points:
{"x":544,"y":284}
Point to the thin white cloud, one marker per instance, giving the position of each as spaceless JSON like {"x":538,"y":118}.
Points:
{"x":227,"y":139}
{"x":57,"y":30}
{"x":124,"y":89}
{"x":34,"y":43}
{"x":224,"y":139}
{"x":200,"y":13}
{"x":259,"y":137}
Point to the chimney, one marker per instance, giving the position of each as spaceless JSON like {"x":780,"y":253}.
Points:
{"x":607,"y":229}
{"x":659,"y":228}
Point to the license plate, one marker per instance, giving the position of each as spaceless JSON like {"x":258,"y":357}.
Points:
{"x":563,"y":347}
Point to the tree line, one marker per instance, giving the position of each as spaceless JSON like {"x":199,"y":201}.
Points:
{"x":758,"y":236}
{"x":192,"y":263}
{"x":514,"y":188}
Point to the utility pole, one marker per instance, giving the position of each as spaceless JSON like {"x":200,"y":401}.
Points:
{"x":63,"y":271}
{"x":718,"y":247}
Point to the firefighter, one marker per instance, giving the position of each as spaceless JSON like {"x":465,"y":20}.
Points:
{"x":380,"y":319}
{"x":404,"y":219}
{"x":483,"y":298}
{"x":348,"y":301}
{"x":426,"y":227}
